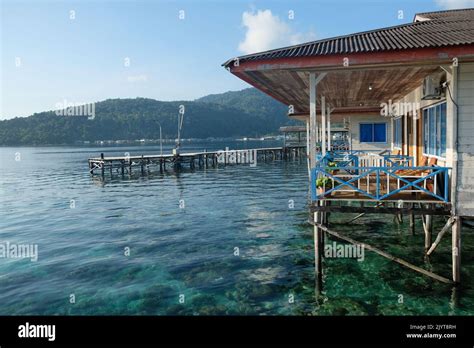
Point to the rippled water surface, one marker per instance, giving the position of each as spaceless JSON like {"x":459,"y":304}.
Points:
{"x":240,"y":245}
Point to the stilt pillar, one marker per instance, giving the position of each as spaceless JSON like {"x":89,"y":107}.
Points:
{"x":456,"y":251}
{"x":428,"y":229}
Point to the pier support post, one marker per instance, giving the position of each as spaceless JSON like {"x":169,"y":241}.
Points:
{"x":177,"y":163}
{"x":102,"y":165}
{"x":318,"y":248}
{"x":412,"y":221}
{"x":398,"y":216}
{"x":456,"y":251}
{"x":428,"y":229}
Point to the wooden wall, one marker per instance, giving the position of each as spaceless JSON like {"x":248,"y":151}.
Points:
{"x":466,"y":139}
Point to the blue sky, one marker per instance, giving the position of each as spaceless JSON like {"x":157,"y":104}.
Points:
{"x":48,"y":57}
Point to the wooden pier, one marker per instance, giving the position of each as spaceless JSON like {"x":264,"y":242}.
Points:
{"x":205,"y":159}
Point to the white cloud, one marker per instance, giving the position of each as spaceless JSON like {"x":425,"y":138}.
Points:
{"x":267,"y":31}
{"x":452,"y":4}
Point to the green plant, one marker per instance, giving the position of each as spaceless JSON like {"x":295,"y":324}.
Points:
{"x":332,"y":167}
{"x":323,"y":182}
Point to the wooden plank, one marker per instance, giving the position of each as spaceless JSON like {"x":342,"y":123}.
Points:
{"x":445,"y":210}
{"x":440,"y":235}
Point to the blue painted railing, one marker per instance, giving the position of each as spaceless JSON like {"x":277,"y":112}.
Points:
{"x":341,"y":173}
{"x":398,"y":160}
{"x":351,"y":158}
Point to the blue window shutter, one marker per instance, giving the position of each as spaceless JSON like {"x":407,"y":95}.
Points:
{"x":443,"y":130}
{"x":399,"y":132}
{"x":437,"y":113}
{"x":432,"y":133}
{"x":395,"y":132}
{"x":425,"y":131}
{"x":366,"y":131}
{"x":380,"y":133}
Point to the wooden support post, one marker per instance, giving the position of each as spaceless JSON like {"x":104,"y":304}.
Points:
{"x":428,"y":229}
{"x":177,"y":162}
{"x":329,"y":128}
{"x":324,"y":222}
{"x":456,"y":250}
{"x":318,"y":248}
{"x":312,"y":120}
{"x":412,"y":221}
{"x":102,"y":165}
{"x":399,"y":218}
{"x":323,"y":125}
{"x":122,"y":165}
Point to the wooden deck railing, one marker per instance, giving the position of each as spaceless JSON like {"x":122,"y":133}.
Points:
{"x":374,"y":177}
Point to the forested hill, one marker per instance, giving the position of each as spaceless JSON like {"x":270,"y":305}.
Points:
{"x":232,"y":114}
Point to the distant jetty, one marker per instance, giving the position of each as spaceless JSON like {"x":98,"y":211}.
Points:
{"x":126,"y":164}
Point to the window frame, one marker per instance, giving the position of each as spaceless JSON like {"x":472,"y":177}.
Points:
{"x":398,"y":128}
{"x":373,"y":133}
{"x":435,"y":126}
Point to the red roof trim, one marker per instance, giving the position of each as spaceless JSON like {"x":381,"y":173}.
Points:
{"x":436,"y":55}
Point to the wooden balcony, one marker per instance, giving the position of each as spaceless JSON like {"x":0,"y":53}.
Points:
{"x":362,"y":176}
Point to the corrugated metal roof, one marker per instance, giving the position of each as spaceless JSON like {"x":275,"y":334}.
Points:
{"x":292,"y":129}
{"x":432,"y":29}
{"x":449,"y":14}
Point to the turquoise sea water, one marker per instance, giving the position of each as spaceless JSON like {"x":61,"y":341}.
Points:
{"x":240,"y":246}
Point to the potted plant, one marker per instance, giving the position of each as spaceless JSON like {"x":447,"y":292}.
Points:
{"x":322,"y":184}
{"x":331,"y":168}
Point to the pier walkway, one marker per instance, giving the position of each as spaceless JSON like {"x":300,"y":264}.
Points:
{"x":126,"y":164}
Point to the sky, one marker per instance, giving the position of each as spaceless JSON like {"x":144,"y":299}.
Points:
{"x":86,"y":51}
